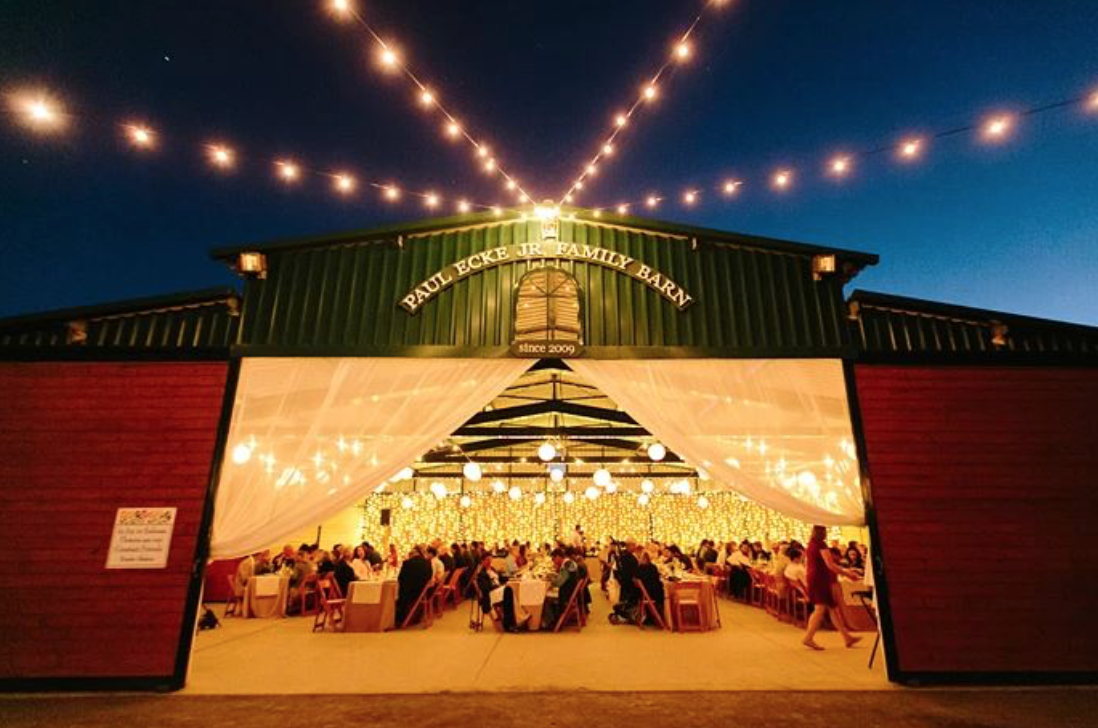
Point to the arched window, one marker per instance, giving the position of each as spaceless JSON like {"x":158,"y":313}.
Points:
{"x":547,"y":307}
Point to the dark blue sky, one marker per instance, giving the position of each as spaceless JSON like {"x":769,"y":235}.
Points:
{"x":773,"y":82}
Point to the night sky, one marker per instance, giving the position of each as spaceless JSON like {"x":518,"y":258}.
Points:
{"x":84,"y":219}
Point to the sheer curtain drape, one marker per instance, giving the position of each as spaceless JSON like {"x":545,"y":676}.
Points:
{"x":310,"y":437}
{"x":776,"y":430}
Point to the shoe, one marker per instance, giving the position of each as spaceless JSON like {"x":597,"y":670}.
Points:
{"x":853,"y":641}
{"x":812,"y":646}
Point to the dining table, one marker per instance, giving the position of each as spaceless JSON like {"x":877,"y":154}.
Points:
{"x":854,"y":613}
{"x":266,"y":595}
{"x":707,"y":603}
{"x":370,"y":606}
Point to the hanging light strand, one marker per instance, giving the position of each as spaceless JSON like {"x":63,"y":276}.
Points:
{"x":681,"y":51}
{"x":994,"y":128}
{"x":428,"y":98}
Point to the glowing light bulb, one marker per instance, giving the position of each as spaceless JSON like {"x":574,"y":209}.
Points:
{"x":611,"y":487}
{"x":652,"y":201}
{"x":643,"y":499}
{"x":341,"y":8}
{"x":647,"y":485}
{"x":569,"y":498}
{"x":431,"y":199}
{"x":650,"y":92}
{"x":690,"y":197}
{"x":592,"y":492}
{"x":703,"y":502}
{"x":911,"y":148}
{"x":547,"y":452}
{"x":997,"y":128}
{"x":622,"y":209}
{"x":730,"y":187}
{"x":597,"y":212}
{"x":37,"y":111}
{"x":1092,"y":102}
{"x":288,"y":171}
{"x":568,"y":198}
{"x":392,"y":193}
{"x":497,"y":211}
{"x":556,"y":474}
{"x":515,"y":493}
{"x":602,"y":477}
{"x":608,"y":149}
{"x":344,"y":183}
{"x":524,"y":197}
{"x":453,"y":129}
{"x":591,"y":170}
{"x":140,"y":136}
{"x":464,"y":206}
{"x":539,"y":498}
{"x":242,"y":453}
{"x":388,"y":58}
{"x":472,"y":471}
{"x":438,"y":490}
{"x":221,"y":156}
{"x":656,"y":452}
{"x":426,"y":97}
{"x":840,"y":166}
{"x":621,"y":120}
{"x":511,"y":184}
{"x":782,"y":179}
{"x":498,"y":486}
{"x":482,"y":150}
{"x":465,"y":501}
{"x":682,"y":51}
{"x":407,"y":503}
{"x":578,"y":185}
{"x":490,"y":165}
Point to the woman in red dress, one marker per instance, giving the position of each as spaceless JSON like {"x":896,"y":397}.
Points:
{"x":822,"y":572}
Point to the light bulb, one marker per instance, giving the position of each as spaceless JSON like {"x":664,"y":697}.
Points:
{"x":703,"y":502}
{"x":569,"y":497}
{"x":592,"y":492}
{"x":439,"y":490}
{"x":656,"y":452}
{"x":140,"y":136}
{"x":406,"y":503}
{"x":465,"y":501}
{"x":547,"y":452}
{"x":539,"y":498}
{"x":643,"y":499}
{"x":242,"y":453}
{"x":647,"y":485}
{"x":556,"y":474}
{"x":514,"y":493}
{"x":472,"y":471}
{"x":611,"y":487}
{"x":498,"y":486}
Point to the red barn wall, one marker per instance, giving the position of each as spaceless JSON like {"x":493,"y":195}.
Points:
{"x":77,"y":442}
{"x":985,"y":485}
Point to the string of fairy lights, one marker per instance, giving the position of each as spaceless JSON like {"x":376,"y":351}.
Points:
{"x":391,"y":60}
{"x":993,"y":129}
{"x":681,"y":51}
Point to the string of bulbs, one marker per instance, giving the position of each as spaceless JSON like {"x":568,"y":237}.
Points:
{"x":681,"y":51}
{"x":994,"y":129}
{"x":390,"y":59}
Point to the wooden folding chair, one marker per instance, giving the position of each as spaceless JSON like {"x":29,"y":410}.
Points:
{"x":234,"y":607}
{"x":572,"y":609}
{"x":423,"y":605}
{"x":448,"y":591}
{"x":331,"y":603}
{"x":307,"y":589}
{"x":798,"y":602}
{"x":648,"y":606}
{"x":757,"y":592}
{"x":687,"y":594}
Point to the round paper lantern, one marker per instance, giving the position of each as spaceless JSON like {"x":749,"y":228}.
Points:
{"x":242,"y":453}
{"x":471,"y":471}
{"x":547,"y":452}
{"x":656,"y":452}
{"x":465,"y":501}
{"x":515,"y":493}
{"x":647,"y":485}
{"x":602,"y":477}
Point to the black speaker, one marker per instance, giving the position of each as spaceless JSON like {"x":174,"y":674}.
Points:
{"x":386,"y":514}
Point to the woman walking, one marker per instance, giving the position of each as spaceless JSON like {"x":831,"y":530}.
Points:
{"x":822,"y":573}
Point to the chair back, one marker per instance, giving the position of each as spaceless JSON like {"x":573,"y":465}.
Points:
{"x":688,"y":592}
{"x":571,"y":606}
{"x":420,"y":604}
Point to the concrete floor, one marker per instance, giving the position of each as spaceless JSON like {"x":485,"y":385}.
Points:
{"x":752,"y":651}
{"x":788,"y":709}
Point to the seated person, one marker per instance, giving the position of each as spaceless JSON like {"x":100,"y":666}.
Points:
{"x":285,"y":559}
{"x":796,"y":571}
{"x":511,"y":566}
{"x":438,"y":569}
{"x":649,"y":576}
{"x":325,"y":563}
{"x":415,"y":574}
{"x":248,"y":567}
{"x":564,"y":582}
{"x":361,"y":564}
{"x":344,"y":572}
{"x":625,"y":573}
{"x":488,"y":581}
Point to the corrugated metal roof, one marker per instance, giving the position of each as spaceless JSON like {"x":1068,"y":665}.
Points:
{"x":752,"y":297}
{"x":205,"y":319}
{"x":886,"y":324}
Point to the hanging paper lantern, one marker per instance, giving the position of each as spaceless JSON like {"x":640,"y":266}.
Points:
{"x":602,"y":477}
{"x":465,"y":501}
{"x":471,"y":471}
{"x":656,"y":452}
{"x":515,"y":492}
{"x":647,"y":485}
{"x":547,"y":452}
{"x":242,"y":453}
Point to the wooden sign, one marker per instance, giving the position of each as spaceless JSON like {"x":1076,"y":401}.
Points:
{"x":544,"y":250}
{"x":141,"y":539}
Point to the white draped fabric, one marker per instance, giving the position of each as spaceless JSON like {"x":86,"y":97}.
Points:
{"x":776,"y":430}
{"x":310,"y":437}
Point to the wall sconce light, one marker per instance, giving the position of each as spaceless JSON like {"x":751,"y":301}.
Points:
{"x":822,"y":265}
{"x":76,"y":332}
{"x":252,"y":263}
{"x":998,"y":335}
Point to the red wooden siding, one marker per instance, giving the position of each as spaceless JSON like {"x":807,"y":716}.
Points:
{"x":985,"y":485}
{"x":78,"y":441}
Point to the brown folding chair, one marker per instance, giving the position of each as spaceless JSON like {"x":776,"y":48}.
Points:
{"x":798,"y":602}
{"x":234,"y":607}
{"x":572,"y":609}
{"x":331,"y":603}
{"x":423,"y":605}
{"x":448,"y":591}
{"x":757,"y":593}
{"x":648,"y":606}
{"x":307,"y":589}
{"x":687,"y":594}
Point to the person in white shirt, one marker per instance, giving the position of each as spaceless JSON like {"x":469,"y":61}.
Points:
{"x":361,"y":565}
{"x":438,"y":569}
{"x":796,"y":570}
{"x":578,"y":540}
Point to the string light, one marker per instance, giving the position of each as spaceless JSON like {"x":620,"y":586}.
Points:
{"x":37,"y":111}
{"x":344,"y":183}
{"x":840,"y":166}
{"x":431,"y":199}
{"x":622,"y":209}
{"x":651,"y":92}
{"x":730,"y":186}
{"x":911,"y":148}
{"x":652,"y":201}
{"x":690,"y":197}
{"x":782,"y":179}
{"x":996,"y":128}
{"x":288,"y":171}
{"x":391,"y":61}
{"x":682,"y":51}
{"x":220,"y":155}
{"x":1092,"y":103}
{"x":463,"y":206}
{"x":621,"y":120}
{"x":140,"y":136}
{"x":392,"y":193}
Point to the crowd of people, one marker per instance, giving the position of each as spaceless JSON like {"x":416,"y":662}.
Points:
{"x":633,"y":567}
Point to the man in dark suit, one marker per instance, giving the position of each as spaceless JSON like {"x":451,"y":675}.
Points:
{"x":415,"y":574}
{"x":626,"y":571}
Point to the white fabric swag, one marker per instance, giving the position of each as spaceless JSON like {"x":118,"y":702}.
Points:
{"x":310,"y":437}
{"x":777,"y":430}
